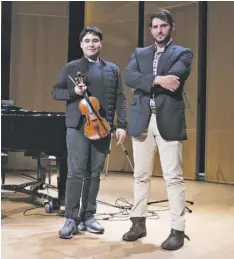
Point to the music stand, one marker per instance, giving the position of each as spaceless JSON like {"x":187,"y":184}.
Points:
{"x":108,"y":157}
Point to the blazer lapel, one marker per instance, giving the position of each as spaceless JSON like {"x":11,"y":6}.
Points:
{"x":165,"y":57}
{"x":147,"y":60}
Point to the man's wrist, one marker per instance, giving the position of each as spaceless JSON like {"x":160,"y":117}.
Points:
{"x":157,"y":80}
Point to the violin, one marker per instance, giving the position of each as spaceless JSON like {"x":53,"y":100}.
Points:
{"x":96,"y":127}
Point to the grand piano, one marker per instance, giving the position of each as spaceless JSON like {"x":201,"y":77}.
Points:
{"x":40,"y":135}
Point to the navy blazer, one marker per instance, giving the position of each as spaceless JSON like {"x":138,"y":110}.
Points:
{"x":170,"y":108}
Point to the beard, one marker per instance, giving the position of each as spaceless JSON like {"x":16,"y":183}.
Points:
{"x":165,"y":40}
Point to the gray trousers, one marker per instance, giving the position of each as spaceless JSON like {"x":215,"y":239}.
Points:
{"x":86,"y":160}
{"x":170,"y":152}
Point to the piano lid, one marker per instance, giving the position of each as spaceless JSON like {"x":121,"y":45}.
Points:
{"x":8,"y":102}
{"x":33,"y":131}
{"x":27,"y":113}
{"x":8,"y":108}
{"x":9,"y":105}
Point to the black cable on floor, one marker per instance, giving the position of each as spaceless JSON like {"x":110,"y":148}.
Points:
{"x":121,"y":215}
{"x":36,"y":214}
{"x":122,"y":204}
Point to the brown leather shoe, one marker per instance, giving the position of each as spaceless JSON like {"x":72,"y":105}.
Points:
{"x":137,"y":230}
{"x":175,"y":240}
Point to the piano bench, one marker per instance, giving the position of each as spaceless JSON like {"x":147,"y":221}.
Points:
{"x":52,"y":160}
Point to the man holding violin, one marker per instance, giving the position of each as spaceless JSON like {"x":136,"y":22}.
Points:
{"x":93,"y":77}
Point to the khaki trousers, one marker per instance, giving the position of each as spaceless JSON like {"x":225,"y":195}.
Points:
{"x":170,"y":152}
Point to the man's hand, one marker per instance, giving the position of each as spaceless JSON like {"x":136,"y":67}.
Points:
{"x":80,"y":89}
{"x":120,"y":136}
{"x":169,"y":82}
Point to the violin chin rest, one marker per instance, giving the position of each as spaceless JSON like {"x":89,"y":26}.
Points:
{"x":94,"y":137}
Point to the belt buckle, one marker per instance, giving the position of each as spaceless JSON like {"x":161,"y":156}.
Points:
{"x":153,"y":110}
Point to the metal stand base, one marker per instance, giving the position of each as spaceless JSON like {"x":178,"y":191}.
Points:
{"x":161,"y":201}
{"x":50,"y":203}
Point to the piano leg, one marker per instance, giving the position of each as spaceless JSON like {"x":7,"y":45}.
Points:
{"x":43,"y":164}
{"x":61,"y":180}
{"x":4,"y":163}
{"x":3,"y":174}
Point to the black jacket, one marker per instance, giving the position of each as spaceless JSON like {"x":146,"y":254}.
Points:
{"x":114,"y":98}
{"x":170,"y":108}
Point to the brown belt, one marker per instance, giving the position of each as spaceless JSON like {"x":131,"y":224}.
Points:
{"x":153,"y":110}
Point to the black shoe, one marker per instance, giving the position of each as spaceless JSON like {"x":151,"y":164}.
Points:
{"x":69,"y":229}
{"x":175,"y":240}
{"x":137,"y":230}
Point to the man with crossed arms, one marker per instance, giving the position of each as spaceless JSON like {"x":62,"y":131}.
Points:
{"x":157,"y":119}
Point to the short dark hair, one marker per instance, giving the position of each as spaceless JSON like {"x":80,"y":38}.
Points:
{"x":163,"y":15}
{"x":91,"y":29}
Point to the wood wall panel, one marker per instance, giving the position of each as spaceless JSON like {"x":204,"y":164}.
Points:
{"x":41,"y":8}
{"x":37,"y":59}
{"x":185,"y":34}
{"x":220,"y":156}
{"x":38,"y":52}
{"x":220,"y":92}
